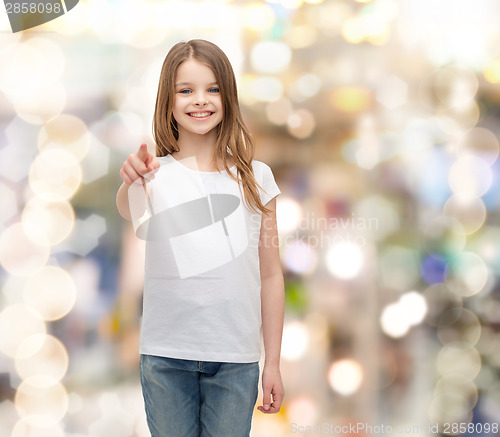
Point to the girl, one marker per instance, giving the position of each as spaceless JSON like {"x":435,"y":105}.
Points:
{"x":216,"y":280}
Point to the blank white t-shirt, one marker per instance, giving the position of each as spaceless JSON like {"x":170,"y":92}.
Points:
{"x":202,"y":278}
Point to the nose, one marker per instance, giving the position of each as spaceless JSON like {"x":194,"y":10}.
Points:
{"x":201,"y":99}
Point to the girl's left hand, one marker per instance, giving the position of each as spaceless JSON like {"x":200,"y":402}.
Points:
{"x":271,"y":385}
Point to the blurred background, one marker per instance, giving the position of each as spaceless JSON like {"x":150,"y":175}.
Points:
{"x":380,"y":120}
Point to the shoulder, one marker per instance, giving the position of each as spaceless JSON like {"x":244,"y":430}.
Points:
{"x":260,"y":167}
{"x":261,"y":170}
{"x":256,"y":163}
{"x":164,"y":159}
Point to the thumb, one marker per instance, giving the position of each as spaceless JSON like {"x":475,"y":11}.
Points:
{"x":151,"y":162}
{"x":267,"y":398}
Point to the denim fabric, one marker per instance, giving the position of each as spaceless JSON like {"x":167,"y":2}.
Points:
{"x":185,"y":398}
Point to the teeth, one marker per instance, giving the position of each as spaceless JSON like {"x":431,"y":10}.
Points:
{"x":200,"y":114}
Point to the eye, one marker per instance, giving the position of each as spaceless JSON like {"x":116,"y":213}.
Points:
{"x":214,"y":90}
{"x":184,"y":91}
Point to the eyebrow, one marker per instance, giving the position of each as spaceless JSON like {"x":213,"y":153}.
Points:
{"x":189,"y":83}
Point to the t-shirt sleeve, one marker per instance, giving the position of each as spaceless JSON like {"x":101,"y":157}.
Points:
{"x":269,"y":187}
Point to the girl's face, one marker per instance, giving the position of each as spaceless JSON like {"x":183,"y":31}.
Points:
{"x":197,"y":102}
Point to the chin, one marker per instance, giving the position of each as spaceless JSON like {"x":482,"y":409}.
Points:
{"x":200,"y":132}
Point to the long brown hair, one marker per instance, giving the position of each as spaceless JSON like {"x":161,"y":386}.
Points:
{"x":234,"y":144}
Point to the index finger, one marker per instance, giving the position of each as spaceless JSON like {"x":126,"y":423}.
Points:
{"x":142,"y":153}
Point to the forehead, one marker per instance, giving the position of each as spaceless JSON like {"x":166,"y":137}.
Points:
{"x":193,"y":71}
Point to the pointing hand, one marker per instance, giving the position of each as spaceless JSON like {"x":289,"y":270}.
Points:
{"x":138,"y":164}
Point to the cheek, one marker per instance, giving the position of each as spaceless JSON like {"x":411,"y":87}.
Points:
{"x":220,"y":107}
{"x":177,"y":108}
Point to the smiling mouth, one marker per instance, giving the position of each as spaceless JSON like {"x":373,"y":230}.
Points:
{"x":200,"y":115}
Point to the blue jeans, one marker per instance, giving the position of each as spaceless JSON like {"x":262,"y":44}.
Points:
{"x":185,"y":398}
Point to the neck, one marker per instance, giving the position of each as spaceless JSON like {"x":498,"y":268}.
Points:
{"x":202,"y":147}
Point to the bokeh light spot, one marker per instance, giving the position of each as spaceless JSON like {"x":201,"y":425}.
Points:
{"x":270,"y":57}
{"x":67,"y":132}
{"x":42,"y":395}
{"x":295,"y":340}
{"x":19,"y":255}
{"x":350,"y":99}
{"x":345,"y":376}
{"x":47,"y":223}
{"x":37,"y":426}
{"x":17,"y":323}
{"x":467,"y":274}
{"x":42,"y":355}
{"x":299,"y":257}
{"x":51,"y":292}
{"x":459,"y":359}
{"x":345,"y":260}
{"x":55,"y":175}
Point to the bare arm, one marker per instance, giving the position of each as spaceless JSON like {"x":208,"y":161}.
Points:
{"x":272,"y":309}
{"x":136,"y":165}
{"x":122,"y":201}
